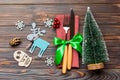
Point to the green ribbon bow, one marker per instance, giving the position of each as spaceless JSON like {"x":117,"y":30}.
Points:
{"x":74,"y":42}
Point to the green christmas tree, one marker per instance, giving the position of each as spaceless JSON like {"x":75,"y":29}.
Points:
{"x":94,"y":47}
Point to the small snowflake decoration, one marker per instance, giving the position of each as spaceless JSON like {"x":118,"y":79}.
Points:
{"x":49,"y":61}
{"x":48,"y":22}
{"x":20,"y":25}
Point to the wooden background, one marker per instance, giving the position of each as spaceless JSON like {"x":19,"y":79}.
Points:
{"x":106,"y":12}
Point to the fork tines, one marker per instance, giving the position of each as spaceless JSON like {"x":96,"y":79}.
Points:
{"x":66,"y":20}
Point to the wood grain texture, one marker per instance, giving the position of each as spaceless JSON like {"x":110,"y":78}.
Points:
{"x":43,"y":74}
{"x":106,"y":12}
{"x":25,"y":2}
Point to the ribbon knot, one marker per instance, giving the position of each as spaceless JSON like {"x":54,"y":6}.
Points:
{"x":67,"y":42}
{"x":74,"y":42}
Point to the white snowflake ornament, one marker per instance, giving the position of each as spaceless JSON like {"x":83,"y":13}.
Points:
{"x":49,"y":61}
{"x":48,"y":23}
{"x":20,"y":25}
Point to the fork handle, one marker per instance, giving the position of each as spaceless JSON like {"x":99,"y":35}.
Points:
{"x":64,"y":65}
{"x":69,"y":61}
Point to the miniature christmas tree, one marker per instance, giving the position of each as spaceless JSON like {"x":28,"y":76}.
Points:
{"x":94,"y":48}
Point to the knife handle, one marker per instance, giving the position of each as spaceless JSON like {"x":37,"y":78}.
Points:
{"x":64,"y":65}
{"x":69,"y":63}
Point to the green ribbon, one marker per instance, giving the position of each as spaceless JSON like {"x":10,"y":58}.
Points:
{"x":74,"y":42}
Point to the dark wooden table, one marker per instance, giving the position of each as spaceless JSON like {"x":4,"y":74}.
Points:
{"x":106,"y":12}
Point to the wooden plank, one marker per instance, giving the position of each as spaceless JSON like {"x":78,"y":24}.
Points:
{"x":9,"y":14}
{"x":44,"y":74}
{"x":59,"y":2}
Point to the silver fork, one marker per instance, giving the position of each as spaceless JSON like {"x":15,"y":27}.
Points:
{"x":65,"y":27}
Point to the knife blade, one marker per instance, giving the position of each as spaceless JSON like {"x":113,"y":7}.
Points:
{"x":71,"y":25}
